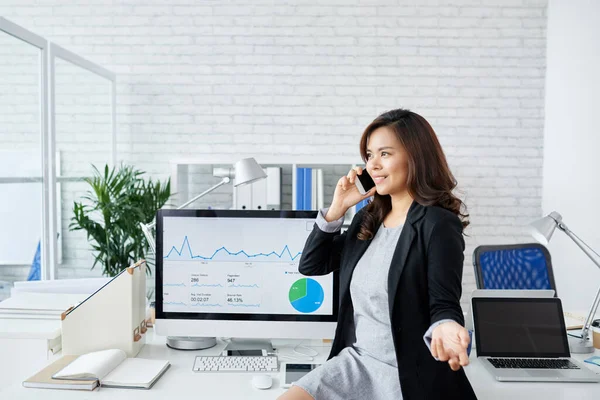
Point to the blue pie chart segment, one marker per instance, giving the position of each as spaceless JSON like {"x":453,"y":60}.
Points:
{"x":312,"y":298}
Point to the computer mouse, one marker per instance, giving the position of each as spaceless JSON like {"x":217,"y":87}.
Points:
{"x":262,"y":381}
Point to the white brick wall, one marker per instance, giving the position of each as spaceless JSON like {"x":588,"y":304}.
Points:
{"x":571,"y":143}
{"x":305,"y":77}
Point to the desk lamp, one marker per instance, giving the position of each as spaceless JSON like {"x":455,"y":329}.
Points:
{"x":542,"y":230}
{"x":244,"y":172}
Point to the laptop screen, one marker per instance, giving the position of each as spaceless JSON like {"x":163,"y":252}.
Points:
{"x":520,"y":327}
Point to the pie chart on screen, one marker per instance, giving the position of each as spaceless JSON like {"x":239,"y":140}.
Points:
{"x":306,"y":295}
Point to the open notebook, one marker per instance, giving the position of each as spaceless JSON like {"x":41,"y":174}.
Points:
{"x":107,"y":368}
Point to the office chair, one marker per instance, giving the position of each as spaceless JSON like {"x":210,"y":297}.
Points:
{"x":513,"y":266}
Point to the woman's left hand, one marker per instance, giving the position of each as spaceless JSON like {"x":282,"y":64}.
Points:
{"x":449,"y":342}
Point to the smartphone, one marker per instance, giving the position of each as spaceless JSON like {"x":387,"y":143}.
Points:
{"x":292,"y":372}
{"x":245,"y":353}
{"x":364,"y":182}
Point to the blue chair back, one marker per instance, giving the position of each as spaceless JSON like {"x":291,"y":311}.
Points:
{"x":514,"y":266}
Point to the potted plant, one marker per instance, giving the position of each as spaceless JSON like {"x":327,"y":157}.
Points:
{"x":118,"y":200}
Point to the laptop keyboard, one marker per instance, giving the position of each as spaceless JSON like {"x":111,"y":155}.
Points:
{"x":539,"y":363}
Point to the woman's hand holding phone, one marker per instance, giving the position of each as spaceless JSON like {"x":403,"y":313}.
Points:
{"x":346,"y":195}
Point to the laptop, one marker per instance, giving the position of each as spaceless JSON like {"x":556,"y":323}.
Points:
{"x":513,"y":293}
{"x":504,"y":293}
{"x":525,"y":339}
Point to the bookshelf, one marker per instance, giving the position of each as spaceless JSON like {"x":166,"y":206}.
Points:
{"x":183,"y":177}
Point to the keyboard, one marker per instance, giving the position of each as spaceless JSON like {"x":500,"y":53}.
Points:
{"x":539,"y":363}
{"x":235,"y":364}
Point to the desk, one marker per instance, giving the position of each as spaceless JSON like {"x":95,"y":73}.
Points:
{"x":180,"y":382}
{"x":487,"y":388}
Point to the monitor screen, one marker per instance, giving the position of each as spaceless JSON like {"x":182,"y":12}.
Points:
{"x":238,"y":265}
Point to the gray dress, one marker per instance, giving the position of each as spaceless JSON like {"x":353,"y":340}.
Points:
{"x":368,"y":369}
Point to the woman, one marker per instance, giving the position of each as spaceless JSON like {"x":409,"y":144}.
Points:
{"x":400,"y":329}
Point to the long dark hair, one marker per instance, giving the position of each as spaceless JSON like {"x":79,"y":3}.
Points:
{"x":429,"y":180}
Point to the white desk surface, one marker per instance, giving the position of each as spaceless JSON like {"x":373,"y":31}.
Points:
{"x":180,"y":382}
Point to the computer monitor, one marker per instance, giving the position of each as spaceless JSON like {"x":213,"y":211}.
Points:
{"x":234,"y":273}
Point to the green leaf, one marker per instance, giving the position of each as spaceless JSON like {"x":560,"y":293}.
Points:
{"x":118,"y":200}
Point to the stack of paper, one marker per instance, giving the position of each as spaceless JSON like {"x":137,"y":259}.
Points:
{"x":73,"y":286}
{"x":39,"y":305}
{"x":4,"y":290}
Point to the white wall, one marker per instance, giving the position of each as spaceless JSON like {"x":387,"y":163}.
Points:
{"x":572,"y":143}
{"x":305,"y":77}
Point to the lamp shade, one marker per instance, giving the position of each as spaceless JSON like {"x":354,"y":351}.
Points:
{"x":247,"y":171}
{"x":543,"y":228}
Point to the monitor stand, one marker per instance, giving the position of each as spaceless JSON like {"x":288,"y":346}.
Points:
{"x":250,"y":344}
{"x":190,"y":342}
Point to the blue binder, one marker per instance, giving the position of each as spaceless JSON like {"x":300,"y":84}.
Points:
{"x":303,"y":188}
{"x":299,"y":188}
{"x":307,"y":189}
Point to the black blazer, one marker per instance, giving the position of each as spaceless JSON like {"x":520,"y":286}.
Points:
{"x":424,"y":286}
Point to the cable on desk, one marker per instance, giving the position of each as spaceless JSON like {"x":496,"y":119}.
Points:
{"x":303,"y":356}
{"x":296,"y":347}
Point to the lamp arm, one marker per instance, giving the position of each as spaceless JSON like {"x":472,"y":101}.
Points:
{"x":146,"y":228}
{"x":207,"y":191}
{"x":590,"y":316}
{"x":588,"y":321}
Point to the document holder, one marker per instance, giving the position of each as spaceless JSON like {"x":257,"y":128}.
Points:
{"x":113,"y":317}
